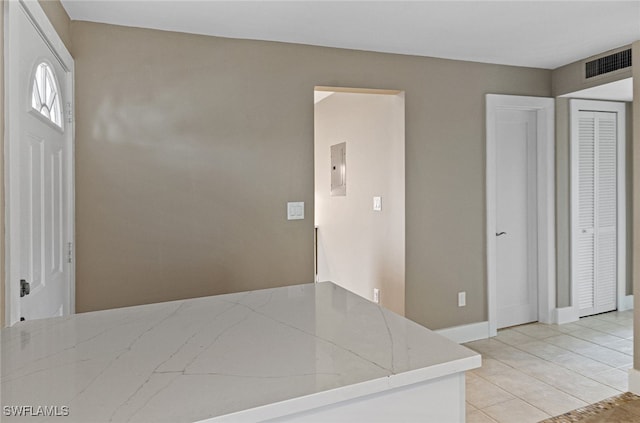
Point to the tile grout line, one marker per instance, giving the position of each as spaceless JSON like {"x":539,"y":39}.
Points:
{"x":574,"y":352}
{"x":522,"y":399}
{"x":486,"y":415}
{"x":541,"y":381}
{"x":549,"y":362}
{"x":559,"y":365}
{"x":543,"y":340}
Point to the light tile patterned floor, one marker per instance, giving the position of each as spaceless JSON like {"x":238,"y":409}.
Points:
{"x":536,"y":371}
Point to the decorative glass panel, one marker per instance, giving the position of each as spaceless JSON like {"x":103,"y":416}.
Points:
{"x":44,"y":95}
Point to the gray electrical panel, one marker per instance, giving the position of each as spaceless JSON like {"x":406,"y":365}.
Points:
{"x":339,"y":169}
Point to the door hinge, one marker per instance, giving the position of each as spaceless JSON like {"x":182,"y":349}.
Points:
{"x":69,"y":252}
{"x":69,"y":113}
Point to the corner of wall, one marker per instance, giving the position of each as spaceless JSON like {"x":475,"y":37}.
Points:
{"x":629,"y":182}
{"x":466,"y":333}
{"x":636,"y":205}
{"x":2,"y":240}
{"x":563,"y":229}
{"x":59,"y":18}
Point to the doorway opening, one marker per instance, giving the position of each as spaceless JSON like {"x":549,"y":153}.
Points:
{"x":359,"y":159}
{"x":606,"y":109}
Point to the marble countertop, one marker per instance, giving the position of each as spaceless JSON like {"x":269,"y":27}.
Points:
{"x":260,"y":353}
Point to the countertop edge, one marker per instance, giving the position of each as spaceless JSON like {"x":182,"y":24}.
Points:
{"x":349,"y":392}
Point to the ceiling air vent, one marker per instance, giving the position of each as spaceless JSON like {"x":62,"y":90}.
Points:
{"x":610,"y":63}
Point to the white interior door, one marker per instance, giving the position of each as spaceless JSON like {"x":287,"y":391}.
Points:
{"x":595,"y":223}
{"x":516,"y":217}
{"x":40,"y":172}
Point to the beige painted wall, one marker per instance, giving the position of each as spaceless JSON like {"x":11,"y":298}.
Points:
{"x":61,"y":22}
{"x":358,"y":248}
{"x":189,"y":147}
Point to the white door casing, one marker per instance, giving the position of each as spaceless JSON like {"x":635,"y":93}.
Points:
{"x":545,"y":200}
{"x":598,"y":212}
{"x":39,"y":169}
{"x":516,"y":217}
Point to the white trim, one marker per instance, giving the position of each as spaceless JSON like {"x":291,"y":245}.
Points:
{"x":620,"y":109}
{"x":634,"y":381}
{"x":70,"y":116}
{"x":34,"y":12}
{"x":48,"y":32}
{"x":566,"y":315}
{"x":572,"y":314}
{"x":466,"y":333}
{"x":626,"y":304}
{"x":544,"y":107}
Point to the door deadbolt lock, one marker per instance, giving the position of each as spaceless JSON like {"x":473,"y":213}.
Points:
{"x":25,"y":288}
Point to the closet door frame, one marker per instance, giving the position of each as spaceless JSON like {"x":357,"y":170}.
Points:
{"x":600,"y":106}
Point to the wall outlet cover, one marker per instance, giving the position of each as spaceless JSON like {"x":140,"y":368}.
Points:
{"x":462,"y":299}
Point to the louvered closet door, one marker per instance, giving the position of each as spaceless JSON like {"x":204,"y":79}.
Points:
{"x":596,"y":270}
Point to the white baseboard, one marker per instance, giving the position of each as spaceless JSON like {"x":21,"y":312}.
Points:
{"x":566,"y":315}
{"x":634,"y":381}
{"x":466,"y":333}
{"x":627,"y":303}
{"x":571,"y":314}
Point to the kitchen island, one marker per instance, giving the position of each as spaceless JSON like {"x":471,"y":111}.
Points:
{"x":313,"y":352}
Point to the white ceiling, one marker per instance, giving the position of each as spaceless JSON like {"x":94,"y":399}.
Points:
{"x":542,"y":34}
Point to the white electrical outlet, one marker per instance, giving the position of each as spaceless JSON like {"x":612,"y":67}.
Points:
{"x":376,"y":295}
{"x":462,"y":299}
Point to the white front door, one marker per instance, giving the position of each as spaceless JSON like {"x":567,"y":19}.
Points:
{"x":39,"y":197}
{"x":516,"y":217}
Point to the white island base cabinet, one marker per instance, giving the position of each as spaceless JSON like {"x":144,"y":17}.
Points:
{"x":441,"y":400}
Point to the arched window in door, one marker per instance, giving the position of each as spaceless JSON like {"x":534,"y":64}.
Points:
{"x":45,"y":97}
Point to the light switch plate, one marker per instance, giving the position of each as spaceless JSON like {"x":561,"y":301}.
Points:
{"x":462,"y":299}
{"x":295,"y":210}
{"x":377,"y":203}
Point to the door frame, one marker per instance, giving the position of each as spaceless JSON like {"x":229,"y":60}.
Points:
{"x":575,"y":105}
{"x":11,"y":189}
{"x":544,"y":108}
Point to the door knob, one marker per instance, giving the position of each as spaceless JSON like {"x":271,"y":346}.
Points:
{"x":500,"y":233}
{"x":25,"y":288}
